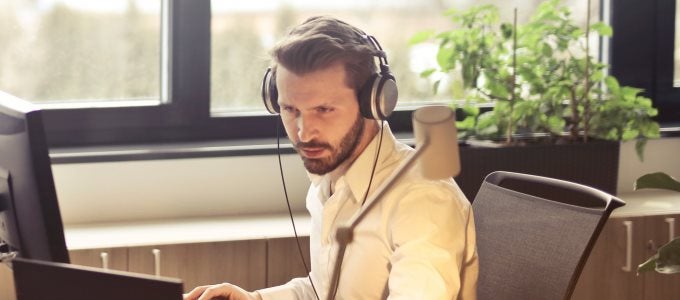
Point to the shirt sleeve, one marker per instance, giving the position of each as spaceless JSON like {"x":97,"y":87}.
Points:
{"x":296,"y":289}
{"x":432,"y":233}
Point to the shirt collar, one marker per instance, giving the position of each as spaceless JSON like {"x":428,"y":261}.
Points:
{"x":358,"y":174}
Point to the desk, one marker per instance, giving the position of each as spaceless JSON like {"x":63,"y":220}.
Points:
{"x":648,"y":202}
{"x":184,"y":231}
{"x":6,"y":283}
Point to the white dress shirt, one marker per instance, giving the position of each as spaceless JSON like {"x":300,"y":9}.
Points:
{"x":418,"y":242}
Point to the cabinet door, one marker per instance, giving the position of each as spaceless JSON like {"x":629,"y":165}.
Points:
{"x":284,"y":261}
{"x":116,"y":258}
{"x":241,"y":263}
{"x":658,"y":232}
{"x":609,"y":272}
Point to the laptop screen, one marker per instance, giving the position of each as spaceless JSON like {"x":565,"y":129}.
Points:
{"x":40,"y":280}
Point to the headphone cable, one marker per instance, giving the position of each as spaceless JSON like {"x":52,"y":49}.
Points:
{"x":336,"y":284}
{"x":290,"y":211}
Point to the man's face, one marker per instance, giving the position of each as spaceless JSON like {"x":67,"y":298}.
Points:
{"x":321,"y":116}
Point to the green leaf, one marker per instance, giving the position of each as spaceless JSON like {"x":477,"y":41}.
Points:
{"x":471,"y":110}
{"x":421,"y":37}
{"x":612,"y":85}
{"x":444,"y":57}
{"x":486,"y":124}
{"x":547,"y":50}
{"x":602,"y":29}
{"x":467,"y":123}
{"x":668,"y":261}
{"x":427,"y":73}
{"x":435,"y":86}
{"x":629,"y":93}
{"x":658,"y":180}
{"x":597,"y":76}
{"x":648,"y":265}
{"x":506,"y":30}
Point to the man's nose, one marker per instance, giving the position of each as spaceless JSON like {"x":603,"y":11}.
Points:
{"x":307,"y":128}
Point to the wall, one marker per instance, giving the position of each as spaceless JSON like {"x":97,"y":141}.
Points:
{"x":200,"y":187}
{"x":660,"y":155}
{"x":177,"y":188}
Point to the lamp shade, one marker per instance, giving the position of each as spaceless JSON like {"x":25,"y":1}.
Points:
{"x":434,"y":128}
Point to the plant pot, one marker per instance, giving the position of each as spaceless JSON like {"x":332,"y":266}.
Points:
{"x":595,"y":163}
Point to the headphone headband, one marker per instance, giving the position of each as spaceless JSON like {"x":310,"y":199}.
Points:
{"x":377,"y":96}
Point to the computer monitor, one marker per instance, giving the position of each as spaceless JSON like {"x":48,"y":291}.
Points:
{"x":30,"y":221}
{"x":38,"y":280}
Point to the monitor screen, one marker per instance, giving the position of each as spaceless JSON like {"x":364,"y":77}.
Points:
{"x":30,"y":221}
{"x":38,"y":280}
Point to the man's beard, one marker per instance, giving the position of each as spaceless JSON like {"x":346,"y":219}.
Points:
{"x":338,"y":155}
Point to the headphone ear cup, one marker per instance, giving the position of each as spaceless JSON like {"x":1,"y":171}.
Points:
{"x":378,"y":96}
{"x":270,"y":95}
{"x":365,"y":96}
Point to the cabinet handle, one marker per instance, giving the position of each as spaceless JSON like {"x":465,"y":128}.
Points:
{"x":671,"y":228}
{"x":156,"y":261}
{"x":629,"y":246}
{"x":105,"y":260}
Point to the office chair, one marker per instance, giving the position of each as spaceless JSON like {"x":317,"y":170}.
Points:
{"x":534,"y":234}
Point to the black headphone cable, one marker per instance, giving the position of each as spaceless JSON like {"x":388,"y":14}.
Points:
{"x":336,"y":283}
{"x":290,"y":211}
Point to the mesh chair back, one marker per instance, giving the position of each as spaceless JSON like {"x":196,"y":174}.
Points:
{"x":534,"y":234}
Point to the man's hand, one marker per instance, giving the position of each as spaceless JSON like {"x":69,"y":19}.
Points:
{"x":221,"y":291}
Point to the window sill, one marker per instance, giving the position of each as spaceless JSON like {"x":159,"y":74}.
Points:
{"x":244,"y":147}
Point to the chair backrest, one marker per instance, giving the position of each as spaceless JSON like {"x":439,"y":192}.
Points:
{"x":534,"y":234}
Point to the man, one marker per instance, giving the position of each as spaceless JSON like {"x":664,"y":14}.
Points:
{"x":419,"y":241}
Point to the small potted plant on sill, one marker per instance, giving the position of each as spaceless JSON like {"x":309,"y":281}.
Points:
{"x":667,"y":259}
{"x":545,"y":89}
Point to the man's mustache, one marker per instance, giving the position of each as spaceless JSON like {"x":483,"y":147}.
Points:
{"x":312,"y":144}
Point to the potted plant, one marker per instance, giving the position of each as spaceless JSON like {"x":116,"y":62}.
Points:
{"x":545,"y":89}
{"x":667,"y":259}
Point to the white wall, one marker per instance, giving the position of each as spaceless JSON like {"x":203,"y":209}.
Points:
{"x":661,"y":155}
{"x":184,"y":188}
{"x":177,"y":188}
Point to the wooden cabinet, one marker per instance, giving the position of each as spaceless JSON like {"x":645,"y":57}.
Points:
{"x":284,"y":262}
{"x":610,"y":272}
{"x":658,"y":232}
{"x":250,"y":264}
{"x":111,"y":258}
{"x":242,"y":263}
{"x":606,"y":274}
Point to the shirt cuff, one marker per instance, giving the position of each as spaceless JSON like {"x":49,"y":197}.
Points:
{"x":277,"y":292}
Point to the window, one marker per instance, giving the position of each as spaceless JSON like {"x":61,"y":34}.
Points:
{"x":643,"y":51}
{"x":156,"y":71}
{"x":242,"y":34}
{"x":59,"y":52}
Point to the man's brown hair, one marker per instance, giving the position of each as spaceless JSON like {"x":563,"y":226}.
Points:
{"x":322,"y":41}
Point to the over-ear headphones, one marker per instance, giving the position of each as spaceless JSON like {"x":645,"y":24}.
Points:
{"x":377,"y":96}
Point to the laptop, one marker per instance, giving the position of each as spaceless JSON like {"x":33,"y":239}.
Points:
{"x":41,"y":280}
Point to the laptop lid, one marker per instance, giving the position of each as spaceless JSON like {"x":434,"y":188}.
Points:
{"x":40,"y":280}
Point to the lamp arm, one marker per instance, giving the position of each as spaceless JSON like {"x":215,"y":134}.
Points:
{"x":344,"y":234}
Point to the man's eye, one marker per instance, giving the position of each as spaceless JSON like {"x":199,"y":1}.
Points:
{"x":324,"y":109}
{"x":289,"y":109}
